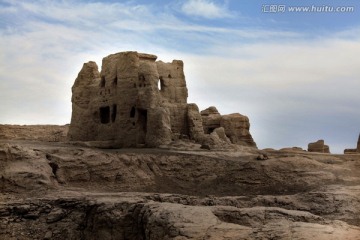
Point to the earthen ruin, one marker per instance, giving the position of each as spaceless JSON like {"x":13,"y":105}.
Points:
{"x":353,"y":150}
{"x":136,"y":101}
{"x":318,"y":146}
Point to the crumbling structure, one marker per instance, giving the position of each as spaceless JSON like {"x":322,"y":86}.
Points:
{"x":318,"y":146}
{"x":353,"y":150}
{"x":137,"y":101}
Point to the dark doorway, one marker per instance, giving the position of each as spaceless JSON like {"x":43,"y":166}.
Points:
{"x":105,"y":114}
{"x":142,"y":126}
{"x":132,"y":112}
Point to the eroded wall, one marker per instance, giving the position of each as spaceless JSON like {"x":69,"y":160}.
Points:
{"x":137,"y":101}
{"x":124,"y":104}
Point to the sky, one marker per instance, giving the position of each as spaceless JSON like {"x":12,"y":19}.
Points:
{"x":292,"y":67}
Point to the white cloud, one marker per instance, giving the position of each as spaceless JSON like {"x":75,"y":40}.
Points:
{"x":280,"y":79}
{"x":205,"y":9}
{"x":298,"y":62}
{"x":294,"y":93}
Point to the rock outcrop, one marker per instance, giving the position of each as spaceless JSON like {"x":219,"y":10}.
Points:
{"x":211,"y":119}
{"x":350,"y":151}
{"x":237,"y":129}
{"x":318,"y":146}
{"x":195,"y":124}
{"x":134,"y":216}
{"x":236,"y":126}
{"x":136,"y":101}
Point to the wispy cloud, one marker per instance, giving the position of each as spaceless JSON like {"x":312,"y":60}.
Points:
{"x":205,"y":9}
{"x":282,"y":79}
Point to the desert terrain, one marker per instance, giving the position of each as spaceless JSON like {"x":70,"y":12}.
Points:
{"x":54,"y":189}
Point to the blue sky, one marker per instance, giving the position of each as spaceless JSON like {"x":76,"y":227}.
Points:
{"x":294,"y":74}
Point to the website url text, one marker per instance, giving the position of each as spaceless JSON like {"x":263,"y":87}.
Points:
{"x":306,"y":9}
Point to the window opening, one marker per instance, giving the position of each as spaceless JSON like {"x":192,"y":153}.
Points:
{"x":115,"y":81}
{"x":105,"y":114}
{"x":161,"y":84}
{"x":102,"y":82}
{"x":132,"y":112}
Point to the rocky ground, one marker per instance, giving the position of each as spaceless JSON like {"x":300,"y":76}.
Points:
{"x":60,"y":190}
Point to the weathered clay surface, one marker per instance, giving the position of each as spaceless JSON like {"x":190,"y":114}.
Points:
{"x":318,"y":146}
{"x":49,"y":133}
{"x":237,"y":129}
{"x":136,"y":101}
{"x":351,"y":151}
{"x":63,"y":191}
{"x":236,"y":126}
{"x":196,"y":130}
{"x":211,"y":119}
{"x":166,"y":216}
{"x":296,"y":149}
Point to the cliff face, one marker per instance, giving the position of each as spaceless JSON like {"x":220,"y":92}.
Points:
{"x":136,"y":101}
{"x":168,"y":216}
{"x":64,"y":191}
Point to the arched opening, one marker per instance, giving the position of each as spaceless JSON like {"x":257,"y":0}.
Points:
{"x":105,"y":114}
{"x":161,"y":84}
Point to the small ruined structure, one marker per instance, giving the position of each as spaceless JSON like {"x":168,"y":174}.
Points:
{"x":318,"y":146}
{"x":137,"y":101}
{"x":236,"y":126}
{"x":353,"y":150}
